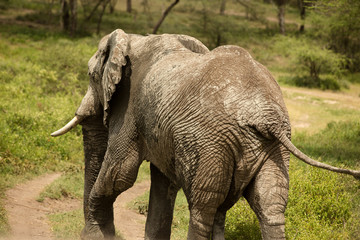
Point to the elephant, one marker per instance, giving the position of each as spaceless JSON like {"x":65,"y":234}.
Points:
{"x":213,"y":123}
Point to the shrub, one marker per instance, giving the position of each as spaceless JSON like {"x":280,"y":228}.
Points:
{"x":315,"y":61}
{"x":314,"y":66}
{"x":336,"y":21}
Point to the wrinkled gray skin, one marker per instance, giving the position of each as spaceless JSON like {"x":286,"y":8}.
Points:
{"x":212,"y":123}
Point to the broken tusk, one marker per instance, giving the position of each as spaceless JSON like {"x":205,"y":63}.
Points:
{"x":75,"y":121}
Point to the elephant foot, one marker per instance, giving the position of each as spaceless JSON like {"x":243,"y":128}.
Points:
{"x":98,"y":232}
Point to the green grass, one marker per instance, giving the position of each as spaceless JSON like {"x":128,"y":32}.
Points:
{"x":69,"y":185}
{"x":338,"y":143}
{"x":67,"y":225}
{"x":321,"y":204}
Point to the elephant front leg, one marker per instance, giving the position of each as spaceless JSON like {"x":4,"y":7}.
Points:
{"x":161,"y":206}
{"x":118,"y":173}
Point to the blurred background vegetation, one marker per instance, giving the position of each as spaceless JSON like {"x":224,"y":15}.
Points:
{"x":45,"y":46}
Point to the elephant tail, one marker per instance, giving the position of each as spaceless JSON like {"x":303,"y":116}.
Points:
{"x":300,"y":155}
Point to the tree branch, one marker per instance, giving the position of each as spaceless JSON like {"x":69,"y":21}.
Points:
{"x":166,"y":12}
{"x":93,"y":11}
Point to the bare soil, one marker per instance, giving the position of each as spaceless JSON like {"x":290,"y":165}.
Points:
{"x":130,"y":223}
{"x":28,"y":217}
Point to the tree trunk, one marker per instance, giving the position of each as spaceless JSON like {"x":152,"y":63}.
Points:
{"x":65,"y":15}
{"x":166,"y":12}
{"x":93,"y":11}
{"x":281,"y":16}
{"x":105,"y":3}
{"x":69,"y":16}
{"x":112,"y":6}
{"x":302,"y":15}
{"x":73,"y":17}
{"x":128,"y":6}
{"x":222,"y":7}
{"x":248,"y":10}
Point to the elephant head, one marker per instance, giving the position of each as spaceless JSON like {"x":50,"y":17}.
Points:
{"x":105,"y":71}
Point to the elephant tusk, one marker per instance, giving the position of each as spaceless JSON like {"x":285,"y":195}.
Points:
{"x":75,"y":121}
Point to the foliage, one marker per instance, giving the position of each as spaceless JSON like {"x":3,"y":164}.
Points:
{"x":216,"y":28}
{"x":320,"y":203}
{"x":312,"y":191}
{"x":315,"y":66}
{"x":336,"y":21}
{"x":316,"y":60}
{"x":38,"y":102}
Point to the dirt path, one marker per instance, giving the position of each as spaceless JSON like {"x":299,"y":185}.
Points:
{"x":128,"y":222}
{"x":28,"y":217}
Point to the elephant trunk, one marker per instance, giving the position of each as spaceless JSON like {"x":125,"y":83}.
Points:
{"x":95,"y":137}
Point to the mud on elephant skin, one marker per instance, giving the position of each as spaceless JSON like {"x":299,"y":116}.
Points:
{"x":213,"y":123}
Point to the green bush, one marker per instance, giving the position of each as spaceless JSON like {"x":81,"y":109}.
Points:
{"x":313,"y":66}
{"x":315,"y":61}
{"x":336,"y":22}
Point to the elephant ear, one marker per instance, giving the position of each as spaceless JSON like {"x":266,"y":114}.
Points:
{"x":115,"y":60}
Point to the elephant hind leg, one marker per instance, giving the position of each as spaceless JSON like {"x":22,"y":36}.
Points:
{"x":203,"y":205}
{"x":206,"y":196}
{"x":220,"y":216}
{"x":161,"y":206}
{"x":219,"y":225}
{"x":267,"y":195}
